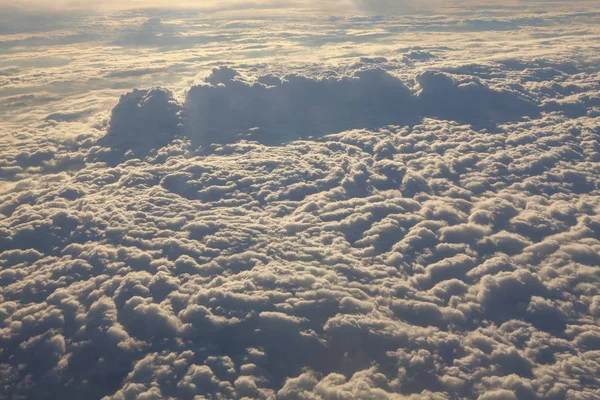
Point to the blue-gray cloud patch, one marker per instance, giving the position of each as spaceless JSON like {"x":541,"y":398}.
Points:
{"x":273,"y":109}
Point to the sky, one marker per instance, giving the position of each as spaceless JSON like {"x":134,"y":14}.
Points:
{"x":351,"y":7}
{"x":344,"y":199}
{"x":99,"y":7}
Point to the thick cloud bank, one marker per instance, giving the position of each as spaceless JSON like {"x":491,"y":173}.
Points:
{"x":426,"y":261}
{"x":271,"y":109}
{"x":427,"y":226}
{"x":293,"y":106}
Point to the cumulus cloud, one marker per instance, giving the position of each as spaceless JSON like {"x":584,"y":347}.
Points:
{"x":273,"y":109}
{"x":143,"y":120}
{"x":365,"y":291}
{"x":409,"y":223}
{"x":292,"y":106}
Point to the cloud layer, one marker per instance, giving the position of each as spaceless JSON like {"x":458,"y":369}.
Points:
{"x":382,"y":207}
{"x":431,"y":261}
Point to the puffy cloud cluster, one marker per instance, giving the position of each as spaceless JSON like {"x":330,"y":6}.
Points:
{"x":422,"y":261}
{"x":414,"y":216}
{"x":280,"y":109}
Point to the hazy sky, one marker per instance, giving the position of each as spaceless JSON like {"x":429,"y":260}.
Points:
{"x":338,"y":6}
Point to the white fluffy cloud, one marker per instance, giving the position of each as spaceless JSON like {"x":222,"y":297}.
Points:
{"x":365,"y":217}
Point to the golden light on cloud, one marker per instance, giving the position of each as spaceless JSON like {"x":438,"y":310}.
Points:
{"x":113,"y":5}
{"x":337,"y":6}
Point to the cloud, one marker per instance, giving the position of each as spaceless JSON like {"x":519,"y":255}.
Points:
{"x":377,"y":293}
{"x":292,"y":106}
{"x":275,"y":109}
{"x":113,"y":5}
{"x":391,"y":7}
{"x":355,"y":6}
{"x":469,"y":101}
{"x":436,"y":238}
{"x":143,"y":120}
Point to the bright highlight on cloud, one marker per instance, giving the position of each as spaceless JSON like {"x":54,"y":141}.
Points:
{"x":366,"y":207}
{"x":116,"y":5}
{"x":370,"y":6}
{"x":350,"y":7}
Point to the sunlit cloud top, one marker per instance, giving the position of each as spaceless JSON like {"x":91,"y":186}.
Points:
{"x":338,"y":6}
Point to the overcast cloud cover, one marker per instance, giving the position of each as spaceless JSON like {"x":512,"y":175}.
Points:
{"x":360,"y":199}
